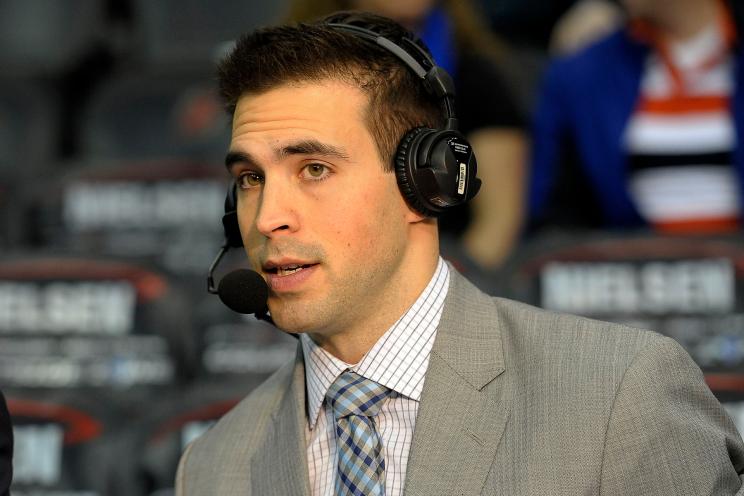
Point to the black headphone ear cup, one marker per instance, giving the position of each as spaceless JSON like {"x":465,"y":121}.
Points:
{"x":407,"y":152}
{"x":230,"y":219}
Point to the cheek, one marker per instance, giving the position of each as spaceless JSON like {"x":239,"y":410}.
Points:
{"x":247,"y":223}
{"x":371,"y":220}
{"x":349,"y":226}
{"x":353,"y":224}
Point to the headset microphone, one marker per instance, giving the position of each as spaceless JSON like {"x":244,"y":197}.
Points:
{"x":242,"y":290}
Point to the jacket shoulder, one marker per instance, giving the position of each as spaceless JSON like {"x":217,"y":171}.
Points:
{"x":238,"y":432}
{"x":558,"y":340}
{"x":547,"y":339}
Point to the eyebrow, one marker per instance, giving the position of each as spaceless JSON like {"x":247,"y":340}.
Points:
{"x":304,"y":147}
{"x":312,"y":147}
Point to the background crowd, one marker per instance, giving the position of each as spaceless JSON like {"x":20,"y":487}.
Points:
{"x":610,"y":142}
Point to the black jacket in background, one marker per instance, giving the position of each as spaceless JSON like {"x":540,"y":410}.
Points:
{"x":6,"y":448}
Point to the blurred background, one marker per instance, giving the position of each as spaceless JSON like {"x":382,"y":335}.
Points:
{"x":609,"y":136}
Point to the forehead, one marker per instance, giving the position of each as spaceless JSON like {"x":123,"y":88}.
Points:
{"x":328,"y":109}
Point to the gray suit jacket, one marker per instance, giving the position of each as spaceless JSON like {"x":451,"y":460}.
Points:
{"x":516,"y":401}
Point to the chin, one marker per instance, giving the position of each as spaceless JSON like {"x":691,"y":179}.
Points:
{"x":298,"y":315}
{"x":289,"y":319}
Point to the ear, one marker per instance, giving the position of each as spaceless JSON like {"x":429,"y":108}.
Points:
{"x":413,"y":216}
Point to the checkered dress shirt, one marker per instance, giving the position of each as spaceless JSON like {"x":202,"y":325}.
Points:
{"x":398,"y":361}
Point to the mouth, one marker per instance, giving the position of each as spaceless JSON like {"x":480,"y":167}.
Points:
{"x":288,"y":276}
{"x":285,"y":269}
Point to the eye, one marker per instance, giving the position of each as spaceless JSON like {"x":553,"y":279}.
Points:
{"x":249,"y":180}
{"x":316,"y":171}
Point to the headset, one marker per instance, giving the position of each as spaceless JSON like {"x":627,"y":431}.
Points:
{"x":436,"y":169}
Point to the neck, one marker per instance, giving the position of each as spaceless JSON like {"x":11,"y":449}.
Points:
{"x":351,"y":344}
{"x":687,"y":19}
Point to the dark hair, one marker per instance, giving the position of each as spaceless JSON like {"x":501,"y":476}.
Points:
{"x":271,"y":57}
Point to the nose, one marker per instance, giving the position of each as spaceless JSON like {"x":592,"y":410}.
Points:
{"x":277,"y":212}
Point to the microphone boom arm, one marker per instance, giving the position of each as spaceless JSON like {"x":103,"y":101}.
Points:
{"x":210,"y":275}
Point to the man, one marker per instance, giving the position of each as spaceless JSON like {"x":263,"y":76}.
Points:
{"x":460,"y":393}
{"x":6,"y":448}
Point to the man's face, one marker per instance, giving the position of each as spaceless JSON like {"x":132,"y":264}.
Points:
{"x":321,"y":220}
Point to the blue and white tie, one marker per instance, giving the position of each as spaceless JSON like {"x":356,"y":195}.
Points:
{"x":355,"y":401}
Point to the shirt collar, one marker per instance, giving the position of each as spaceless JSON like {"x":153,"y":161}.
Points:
{"x":398,"y":360}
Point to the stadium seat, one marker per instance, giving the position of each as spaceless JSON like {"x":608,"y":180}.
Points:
{"x":193,"y":32}
{"x":28,"y":127}
{"x":162,"y":212}
{"x":46,"y":36}
{"x":63,"y":442}
{"x":74,"y":322}
{"x":156,"y":116}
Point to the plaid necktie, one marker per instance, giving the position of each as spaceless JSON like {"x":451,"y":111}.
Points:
{"x":361,"y":468}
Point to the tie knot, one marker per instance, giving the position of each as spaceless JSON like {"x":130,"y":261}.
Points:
{"x":352,"y":394}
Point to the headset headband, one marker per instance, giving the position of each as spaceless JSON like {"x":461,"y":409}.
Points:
{"x":436,"y":80}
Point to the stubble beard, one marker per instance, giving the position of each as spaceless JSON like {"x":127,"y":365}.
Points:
{"x":350,"y":300}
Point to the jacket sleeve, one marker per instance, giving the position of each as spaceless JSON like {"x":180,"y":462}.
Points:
{"x":181,"y":472}
{"x":667,"y":433}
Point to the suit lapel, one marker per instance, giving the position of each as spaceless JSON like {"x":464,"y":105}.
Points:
{"x":466,"y":399}
{"x":281,"y":467}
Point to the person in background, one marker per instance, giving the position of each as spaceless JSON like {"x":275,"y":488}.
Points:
{"x":489,"y":115}
{"x":646,"y":126}
{"x":6,"y":448}
{"x":583,"y":24}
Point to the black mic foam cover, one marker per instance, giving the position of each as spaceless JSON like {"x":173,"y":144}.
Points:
{"x":244,"y":291}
